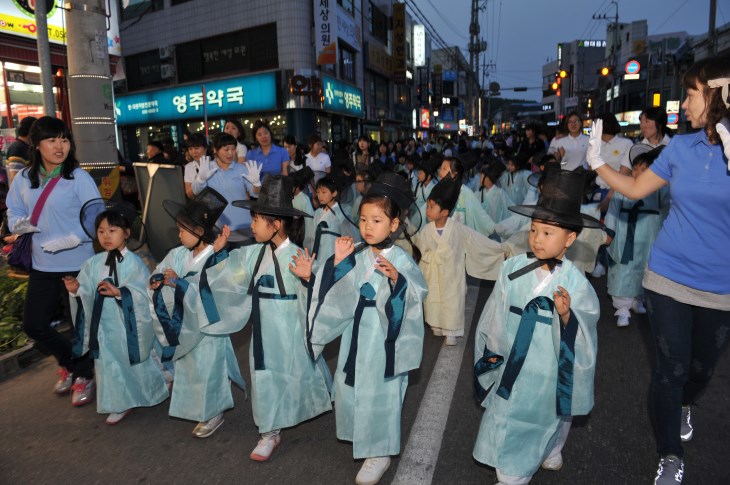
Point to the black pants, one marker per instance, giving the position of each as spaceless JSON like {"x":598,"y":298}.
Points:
{"x":689,"y":340}
{"x":45,"y":292}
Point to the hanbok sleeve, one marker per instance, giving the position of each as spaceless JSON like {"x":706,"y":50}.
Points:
{"x":134,"y":308}
{"x":401,"y":315}
{"x":517,"y":242}
{"x":475,"y":216}
{"x":229,"y":281}
{"x":81,"y":307}
{"x":484,"y":257}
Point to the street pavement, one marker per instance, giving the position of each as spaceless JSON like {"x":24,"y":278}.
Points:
{"x":45,"y":440}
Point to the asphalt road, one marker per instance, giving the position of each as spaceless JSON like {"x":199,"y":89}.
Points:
{"x":46,"y":440}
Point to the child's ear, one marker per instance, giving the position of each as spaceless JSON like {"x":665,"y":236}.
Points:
{"x":572,"y":236}
{"x":127,"y":234}
{"x":394,"y":223}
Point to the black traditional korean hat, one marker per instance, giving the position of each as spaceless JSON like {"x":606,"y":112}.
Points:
{"x":275,"y":198}
{"x":200,"y":213}
{"x":468,"y":160}
{"x":300,"y":178}
{"x":92,"y":208}
{"x":430,"y":163}
{"x":397,"y":188}
{"x":446,"y":193}
{"x":639,"y":149}
{"x":559,"y":201}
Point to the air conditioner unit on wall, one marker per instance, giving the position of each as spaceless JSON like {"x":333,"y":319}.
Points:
{"x":167,"y":71}
{"x":167,"y":51}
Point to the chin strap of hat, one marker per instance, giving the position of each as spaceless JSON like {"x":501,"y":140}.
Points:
{"x":114,"y":257}
{"x":724,"y":83}
{"x":551,"y":262}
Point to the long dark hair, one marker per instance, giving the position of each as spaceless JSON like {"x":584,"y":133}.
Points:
{"x":392,"y":211}
{"x":43,"y":129}
{"x":697,"y":77}
{"x":241,"y":130}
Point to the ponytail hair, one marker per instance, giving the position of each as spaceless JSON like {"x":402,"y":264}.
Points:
{"x":415,"y":252}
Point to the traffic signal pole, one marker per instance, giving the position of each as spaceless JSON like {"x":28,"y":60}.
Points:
{"x":90,"y":84}
{"x":44,"y":57}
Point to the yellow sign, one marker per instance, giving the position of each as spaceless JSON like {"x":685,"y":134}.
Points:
{"x":27,"y":28}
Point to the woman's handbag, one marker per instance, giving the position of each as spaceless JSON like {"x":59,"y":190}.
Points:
{"x":21,"y":256}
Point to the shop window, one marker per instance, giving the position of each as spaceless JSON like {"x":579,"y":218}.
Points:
{"x":143,"y":70}
{"x":378,"y":24}
{"x":347,"y":63}
{"x":379,"y":88}
{"x":137,"y":9}
{"x":348,"y":5}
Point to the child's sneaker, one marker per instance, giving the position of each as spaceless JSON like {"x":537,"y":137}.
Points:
{"x":554,"y":463}
{"x":372,"y":470}
{"x":623,"y":321}
{"x":84,"y":391}
{"x":638,"y":307}
{"x":437,"y":332}
{"x":686,"y":430}
{"x":265,"y":447}
{"x":450,"y":340}
{"x":598,"y":271}
{"x":114,"y":418}
{"x":670,"y":471}
{"x":65,"y":381}
{"x":207,"y":428}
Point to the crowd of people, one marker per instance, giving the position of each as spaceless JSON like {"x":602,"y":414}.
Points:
{"x":368,"y":243}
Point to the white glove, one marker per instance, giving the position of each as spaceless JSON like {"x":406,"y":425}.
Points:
{"x":23,"y":226}
{"x":206,"y":171}
{"x":254,"y":172}
{"x":61,"y":243}
{"x":724,"y":134}
{"x":594,"y":145}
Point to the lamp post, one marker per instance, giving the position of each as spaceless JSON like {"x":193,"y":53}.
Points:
{"x":381,"y":115}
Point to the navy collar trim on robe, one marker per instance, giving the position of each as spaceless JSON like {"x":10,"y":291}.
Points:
{"x":322,"y":228}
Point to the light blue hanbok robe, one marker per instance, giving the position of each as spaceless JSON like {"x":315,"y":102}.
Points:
{"x":469,"y":211}
{"x":637,"y":221}
{"x":329,"y":225}
{"x":376,"y":353}
{"x":515,"y":184}
{"x":508,"y":226}
{"x":302,"y":202}
{"x":286,"y":386}
{"x":204,"y":365}
{"x":495,"y":202}
{"x":543,"y":371}
{"x":125,"y":375}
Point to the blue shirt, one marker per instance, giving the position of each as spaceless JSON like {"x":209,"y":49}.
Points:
{"x":691,"y":247}
{"x":59,"y":218}
{"x":271,"y":162}
{"x":233,"y":186}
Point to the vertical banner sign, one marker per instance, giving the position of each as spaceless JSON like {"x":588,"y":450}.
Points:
{"x":436,"y":86}
{"x":399,"y":43}
{"x":419,"y":45}
{"x":325,"y":31}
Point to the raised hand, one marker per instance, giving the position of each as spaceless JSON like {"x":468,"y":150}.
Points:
{"x":254,"y":172}
{"x":387,"y":268}
{"x":593,"y":155}
{"x":301,"y":265}
{"x":561,"y":297}
{"x":344,"y":246}
{"x":222,"y":239}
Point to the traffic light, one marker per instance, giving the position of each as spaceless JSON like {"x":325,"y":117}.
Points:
{"x":554,"y":86}
{"x":605,"y":71}
{"x":563,"y":74}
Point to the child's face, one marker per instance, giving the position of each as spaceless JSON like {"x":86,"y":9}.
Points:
{"x":434,"y":211}
{"x":187,"y":238}
{"x":111,"y":237}
{"x":485,"y":181}
{"x":226,"y":154}
{"x":360,"y":184}
{"x":325,"y":196}
{"x":548,"y":241}
{"x":638,"y":169}
{"x":375,"y":225}
{"x":196,"y":152}
{"x":422,"y":176}
{"x":511,"y":167}
{"x":262,"y":229}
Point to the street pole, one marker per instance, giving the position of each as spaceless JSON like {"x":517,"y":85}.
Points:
{"x":90,"y":90}
{"x":711,"y":40}
{"x":44,"y":57}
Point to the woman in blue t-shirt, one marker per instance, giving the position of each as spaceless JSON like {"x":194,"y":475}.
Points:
{"x":273,"y":158}
{"x":686,"y":280}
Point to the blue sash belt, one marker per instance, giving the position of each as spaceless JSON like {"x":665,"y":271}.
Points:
{"x":367,"y":293}
{"x":628,"y":253}
{"x":130,"y":323}
{"x":266,"y":281}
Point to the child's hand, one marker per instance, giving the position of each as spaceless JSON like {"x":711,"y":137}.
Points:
{"x":71,"y":283}
{"x":222,"y":239}
{"x":562,"y":304}
{"x":170,"y":278}
{"x":302,"y":264}
{"x":108,"y":289}
{"x":344,"y":246}
{"x":609,"y":239}
{"x":387,"y":268}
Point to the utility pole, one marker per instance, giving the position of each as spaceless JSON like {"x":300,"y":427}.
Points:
{"x":476,"y":46}
{"x":91,"y":99}
{"x":44,"y":57}
{"x":614,"y":50}
{"x":711,"y":39}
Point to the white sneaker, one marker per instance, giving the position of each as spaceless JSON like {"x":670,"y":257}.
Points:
{"x":65,"y":381}
{"x":372,"y":470}
{"x":638,"y":307}
{"x":437,"y":331}
{"x":450,"y":340}
{"x":265,"y":447}
{"x":84,"y":391}
{"x":207,"y":428}
{"x":622,"y":321}
{"x":555,"y":463}
{"x":598,"y":271}
{"x":114,"y":418}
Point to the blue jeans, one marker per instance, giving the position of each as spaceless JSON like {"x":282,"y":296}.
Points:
{"x":688,"y":340}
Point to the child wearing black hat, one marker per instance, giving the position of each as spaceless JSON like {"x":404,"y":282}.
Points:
{"x":494,"y":199}
{"x":181,"y":297}
{"x":259,"y":283}
{"x":450,"y":250}
{"x":535,"y":346}
{"x":382,"y":337}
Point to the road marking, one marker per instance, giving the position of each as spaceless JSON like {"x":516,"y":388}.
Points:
{"x":418,"y":460}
